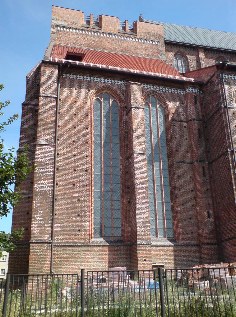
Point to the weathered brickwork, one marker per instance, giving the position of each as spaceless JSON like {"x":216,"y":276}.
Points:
{"x":213,"y":56}
{"x":58,"y":124}
{"x":191,"y":53}
{"x":28,"y":137}
{"x":220,"y":161}
{"x":197,"y":57}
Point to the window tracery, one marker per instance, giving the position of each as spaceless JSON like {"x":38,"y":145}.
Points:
{"x":106,"y":158}
{"x":157,"y":167}
{"x":181,"y":63}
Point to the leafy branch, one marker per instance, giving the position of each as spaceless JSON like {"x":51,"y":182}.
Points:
{"x":13,"y":170}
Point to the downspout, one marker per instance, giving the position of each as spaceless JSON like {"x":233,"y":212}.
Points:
{"x":55,"y":165}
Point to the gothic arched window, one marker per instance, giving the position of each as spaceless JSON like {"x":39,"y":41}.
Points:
{"x":106,"y":159}
{"x":181,"y":63}
{"x":157,"y":167}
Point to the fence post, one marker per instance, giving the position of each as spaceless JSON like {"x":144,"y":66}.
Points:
{"x":6,"y":294}
{"x":82,"y":292}
{"x":77,"y":308}
{"x":161,"y":286}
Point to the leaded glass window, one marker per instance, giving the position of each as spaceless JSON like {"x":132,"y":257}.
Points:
{"x":157,"y":168}
{"x":106,"y":203}
{"x":181,"y":63}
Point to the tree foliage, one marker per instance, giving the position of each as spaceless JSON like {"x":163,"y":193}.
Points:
{"x":13,"y":170}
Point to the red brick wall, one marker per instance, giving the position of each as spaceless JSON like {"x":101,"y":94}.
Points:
{"x":146,"y":40}
{"x":190,"y":52}
{"x":229,"y":220}
{"x":67,"y":17}
{"x":22,"y":216}
{"x":57,"y":202}
{"x":72,"y":223}
{"x":211,"y":56}
{"x":149,"y":31}
{"x":109,"y":24}
{"x":197,"y":57}
{"x":73,"y":217}
{"x":221,"y":173}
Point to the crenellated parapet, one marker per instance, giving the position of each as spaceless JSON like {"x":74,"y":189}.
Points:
{"x":72,"y":27}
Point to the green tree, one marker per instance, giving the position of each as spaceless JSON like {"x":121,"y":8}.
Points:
{"x":13,"y":170}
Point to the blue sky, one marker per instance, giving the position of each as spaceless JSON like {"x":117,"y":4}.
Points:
{"x":25,"y":30}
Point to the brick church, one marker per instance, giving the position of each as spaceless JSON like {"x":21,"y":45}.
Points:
{"x":132,"y":133}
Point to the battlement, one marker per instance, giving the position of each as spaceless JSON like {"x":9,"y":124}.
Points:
{"x":67,"y":17}
{"x":105,"y":33}
{"x":70,"y":18}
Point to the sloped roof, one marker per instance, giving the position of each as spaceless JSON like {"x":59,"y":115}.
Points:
{"x":150,"y":65}
{"x":198,"y":36}
{"x":130,"y":62}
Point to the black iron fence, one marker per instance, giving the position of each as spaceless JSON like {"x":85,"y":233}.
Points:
{"x":190,"y":292}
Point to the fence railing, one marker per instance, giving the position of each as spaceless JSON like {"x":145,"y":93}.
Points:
{"x":41,"y":295}
{"x":201,"y":292}
{"x":186,"y":292}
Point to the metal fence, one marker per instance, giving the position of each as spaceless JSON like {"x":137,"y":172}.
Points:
{"x":190,"y":292}
{"x":41,"y":295}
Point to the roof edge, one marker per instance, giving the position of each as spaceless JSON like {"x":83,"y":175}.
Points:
{"x":121,"y":70}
